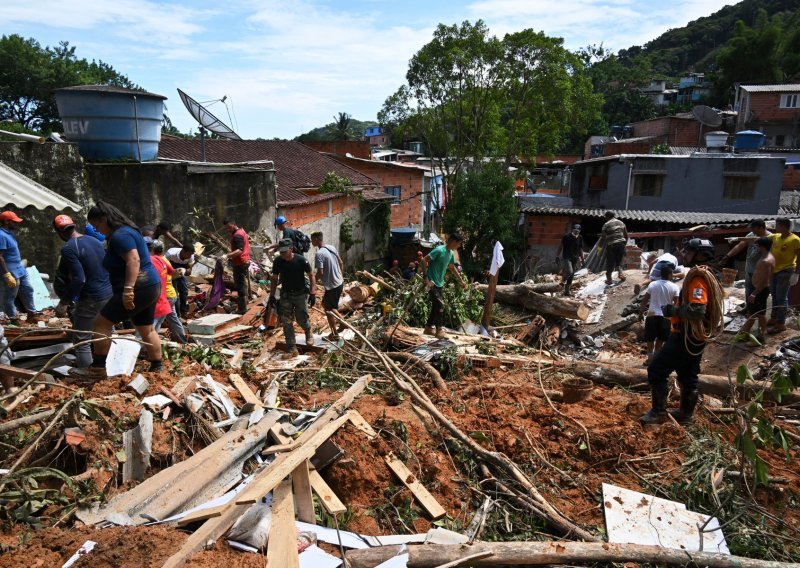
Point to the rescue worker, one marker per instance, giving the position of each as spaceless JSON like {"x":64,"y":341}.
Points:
{"x":785,"y":249}
{"x":695,"y":318}
{"x":291,"y":270}
{"x":435,"y":266}
{"x":571,"y":248}
{"x":240,"y":259}
{"x":758,"y":229}
{"x":15,"y":275}
{"x":87,"y":286}
{"x":659,"y":293}
{"x":329,"y":267}
{"x":614,"y":237}
{"x":285,"y":233}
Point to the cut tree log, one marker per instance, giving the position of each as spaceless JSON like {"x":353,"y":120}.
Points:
{"x":26,"y":420}
{"x":381,"y":281}
{"x":608,"y":374}
{"x":525,"y":295}
{"x":574,"y":553}
{"x":618,"y":325}
{"x":429,"y":369}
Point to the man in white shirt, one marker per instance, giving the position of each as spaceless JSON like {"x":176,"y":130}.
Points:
{"x":659,"y":293}
{"x":182,"y":259}
{"x":329,"y":267}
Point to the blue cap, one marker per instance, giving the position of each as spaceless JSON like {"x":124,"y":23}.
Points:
{"x":280,"y":220}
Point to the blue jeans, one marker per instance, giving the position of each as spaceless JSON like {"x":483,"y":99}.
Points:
{"x":173,"y":323}
{"x":779,"y":286}
{"x":83,"y":317}
{"x":24,"y":290}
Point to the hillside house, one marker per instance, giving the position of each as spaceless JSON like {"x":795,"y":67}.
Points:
{"x":771,"y":109}
{"x":693,"y":88}
{"x":660,"y":93}
{"x":376,"y":136}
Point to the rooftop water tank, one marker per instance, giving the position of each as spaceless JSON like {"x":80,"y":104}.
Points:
{"x":749,"y":141}
{"x":112,"y":123}
{"x":716,"y":141}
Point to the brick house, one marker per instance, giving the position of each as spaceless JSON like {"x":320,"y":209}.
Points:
{"x":416,"y":191}
{"x":299,"y":172}
{"x":771,"y":109}
{"x":376,"y":136}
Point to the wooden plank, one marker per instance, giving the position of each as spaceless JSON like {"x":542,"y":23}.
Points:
{"x":359,"y":422}
{"x":202,"y":515}
{"x":16,"y":372}
{"x":282,"y":547}
{"x":286,"y":463}
{"x":327,"y":498}
{"x":301,"y":485}
{"x":263,"y":357}
{"x":236,"y":360}
{"x":247,"y":394}
{"x":426,"y":500}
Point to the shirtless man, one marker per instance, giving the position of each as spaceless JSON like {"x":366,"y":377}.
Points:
{"x":757,"y":300}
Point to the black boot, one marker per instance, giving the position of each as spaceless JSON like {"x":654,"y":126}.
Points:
{"x":657,"y":414}
{"x":689,"y":400}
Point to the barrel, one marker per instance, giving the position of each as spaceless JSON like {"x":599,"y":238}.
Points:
{"x":749,"y":140}
{"x":111,"y":123}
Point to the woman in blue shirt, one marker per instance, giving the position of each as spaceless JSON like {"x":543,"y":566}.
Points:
{"x":135,"y":287}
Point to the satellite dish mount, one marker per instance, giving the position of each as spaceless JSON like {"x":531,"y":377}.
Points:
{"x":207,"y":122}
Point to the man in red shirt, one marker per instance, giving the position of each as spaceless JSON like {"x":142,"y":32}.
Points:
{"x":683,"y":350}
{"x":240,"y":259}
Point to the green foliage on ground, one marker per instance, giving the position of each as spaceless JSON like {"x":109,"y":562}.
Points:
{"x":29,"y":73}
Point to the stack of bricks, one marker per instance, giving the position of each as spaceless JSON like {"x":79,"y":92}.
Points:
{"x":633,"y":257}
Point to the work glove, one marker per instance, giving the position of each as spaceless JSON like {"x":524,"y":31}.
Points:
{"x":794,"y":278}
{"x":668,"y":310}
{"x":10,"y":280}
{"x":127,"y":298}
{"x":61,"y":310}
{"x":272,"y":302}
{"x":312,"y":300}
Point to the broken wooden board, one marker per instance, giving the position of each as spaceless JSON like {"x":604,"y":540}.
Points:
{"x":358,"y":421}
{"x":422,"y":495}
{"x":327,"y":498}
{"x":202,"y":515}
{"x":304,"y":502}
{"x":208,"y":325}
{"x":138,"y":447}
{"x":282,"y":547}
{"x":226,"y":334}
{"x":247,"y":394}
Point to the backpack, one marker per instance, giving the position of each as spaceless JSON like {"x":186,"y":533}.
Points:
{"x":302,"y":242}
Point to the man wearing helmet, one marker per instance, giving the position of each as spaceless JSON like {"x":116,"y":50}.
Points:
{"x":15,"y":275}
{"x":83,"y":283}
{"x":286,"y":233}
{"x":697,"y":313}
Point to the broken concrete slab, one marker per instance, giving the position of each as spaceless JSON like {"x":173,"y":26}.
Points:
{"x":208,"y":325}
{"x":139,"y":384}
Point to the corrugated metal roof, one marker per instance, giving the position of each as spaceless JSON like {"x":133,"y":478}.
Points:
{"x":771,"y":88}
{"x":21,"y":191}
{"x":628,"y":140}
{"x":675,"y":217}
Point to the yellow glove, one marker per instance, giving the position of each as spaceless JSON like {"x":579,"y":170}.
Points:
{"x":127,"y":298}
{"x":10,"y":280}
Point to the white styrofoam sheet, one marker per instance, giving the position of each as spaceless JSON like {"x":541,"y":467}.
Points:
{"x":400,"y":561}
{"x":315,"y":557}
{"x":637,"y":518}
{"x":41,"y":295}
{"x":122,"y":357}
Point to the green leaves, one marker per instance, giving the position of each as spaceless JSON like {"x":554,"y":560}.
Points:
{"x":743,"y":374}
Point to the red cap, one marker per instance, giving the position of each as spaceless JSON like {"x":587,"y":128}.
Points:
{"x":61,"y":222}
{"x":10,"y":216}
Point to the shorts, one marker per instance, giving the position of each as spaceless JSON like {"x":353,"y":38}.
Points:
{"x":144,"y":311}
{"x":656,"y":328}
{"x":760,"y":305}
{"x":330,"y":300}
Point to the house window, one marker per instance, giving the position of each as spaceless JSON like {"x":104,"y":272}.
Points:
{"x":394,"y":191}
{"x":738,"y":187}
{"x":598,"y":176}
{"x":648,"y":185}
{"x":790,"y":101}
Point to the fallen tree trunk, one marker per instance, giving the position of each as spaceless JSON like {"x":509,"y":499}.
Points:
{"x":608,"y":374}
{"x":541,"y":287}
{"x":544,"y":553}
{"x":26,"y":420}
{"x":527,"y":296}
{"x":618,"y":325}
{"x":429,"y":369}
{"x":383,"y":283}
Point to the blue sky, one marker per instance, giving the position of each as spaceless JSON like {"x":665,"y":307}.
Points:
{"x":289,"y":66}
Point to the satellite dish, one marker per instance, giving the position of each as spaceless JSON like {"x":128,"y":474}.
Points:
{"x":707,"y":116}
{"x":207,"y":121}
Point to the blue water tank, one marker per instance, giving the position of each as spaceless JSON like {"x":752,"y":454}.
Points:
{"x":111,"y":123}
{"x":749,"y":141}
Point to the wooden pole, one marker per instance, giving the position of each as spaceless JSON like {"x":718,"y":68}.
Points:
{"x":561,"y":553}
{"x":487,"y":307}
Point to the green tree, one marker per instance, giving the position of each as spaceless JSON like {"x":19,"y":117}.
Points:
{"x":30,"y":73}
{"x":483,"y":208}
{"x":342,"y":122}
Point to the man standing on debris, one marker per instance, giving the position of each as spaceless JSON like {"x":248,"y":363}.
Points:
{"x":287,"y":233}
{"x":14,"y":274}
{"x":695,"y":320}
{"x":757,"y":298}
{"x":81,"y":283}
{"x":240,"y":258}
{"x":614,"y":237}
{"x":329,"y":267}
{"x":291,"y":270}
{"x":758,"y":228}
{"x":661,"y":292}
{"x":435,"y":266}
{"x":572,"y":249}
{"x":135,"y":286}
{"x":785,"y":249}
{"x":181,"y":258}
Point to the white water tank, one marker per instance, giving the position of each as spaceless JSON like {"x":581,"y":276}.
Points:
{"x":716,"y":141}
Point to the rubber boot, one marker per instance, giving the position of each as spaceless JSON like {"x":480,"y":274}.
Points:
{"x":657,"y":414}
{"x":689,"y":400}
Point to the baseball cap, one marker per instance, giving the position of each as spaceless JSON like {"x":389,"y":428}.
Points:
{"x":10,"y":216}
{"x":284,"y":245}
{"x":62,"y":222}
{"x":148,"y":241}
